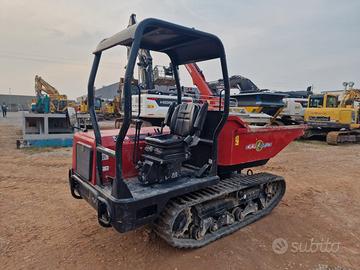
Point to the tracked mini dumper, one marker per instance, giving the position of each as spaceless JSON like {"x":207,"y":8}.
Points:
{"x":185,"y":178}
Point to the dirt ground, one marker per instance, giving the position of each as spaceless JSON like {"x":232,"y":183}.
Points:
{"x":42,"y":227}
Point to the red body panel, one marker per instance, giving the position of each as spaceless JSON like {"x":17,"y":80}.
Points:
{"x":108,"y":138}
{"x":238,"y":144}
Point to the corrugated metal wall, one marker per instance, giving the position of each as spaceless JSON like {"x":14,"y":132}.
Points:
{"x":105,"y":92}
{"x":16,"y":102}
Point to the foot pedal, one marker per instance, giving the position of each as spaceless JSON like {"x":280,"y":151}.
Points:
{"x":202,"y":170}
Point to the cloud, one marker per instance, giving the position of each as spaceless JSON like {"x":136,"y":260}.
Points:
{"x":279,"y":44}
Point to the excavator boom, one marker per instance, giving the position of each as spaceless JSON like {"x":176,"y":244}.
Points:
{"x":198,"y":79}
{"x":206,"y":93}
{"x":349,"y":97}
{"x":42,"y":86}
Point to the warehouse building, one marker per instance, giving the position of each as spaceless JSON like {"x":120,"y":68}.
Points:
{"x":108,"y":92}
{"x":16,"y":102}
{"x":105,"y":92}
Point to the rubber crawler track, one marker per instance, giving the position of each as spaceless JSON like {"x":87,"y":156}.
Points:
{"x":339,"y":137}
{"x":163,"y":225}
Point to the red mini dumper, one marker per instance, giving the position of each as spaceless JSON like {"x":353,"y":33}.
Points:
{"x":185,"y":178}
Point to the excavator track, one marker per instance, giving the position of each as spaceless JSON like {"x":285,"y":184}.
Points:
{"x":339,"y":137}
{"x":199,"y":218}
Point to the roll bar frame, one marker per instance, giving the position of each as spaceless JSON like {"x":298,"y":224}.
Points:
{"x":182,"y":45}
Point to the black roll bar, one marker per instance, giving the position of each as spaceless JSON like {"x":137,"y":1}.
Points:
{"x":213,"y":169}
{"x":177,"y":81}
{"x":119,"y":188}
{"x":93,"y":118}
{"x":196,"y":46}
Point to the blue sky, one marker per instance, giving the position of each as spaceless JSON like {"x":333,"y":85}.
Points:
{"x":280,"y":45}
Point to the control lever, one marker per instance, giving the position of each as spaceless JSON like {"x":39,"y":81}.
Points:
{"x":195,"y":141}
{"x":188,"y":140}
{"x":202,"y":170}
{"x":192,"y":140}
{"x":138,"y":124}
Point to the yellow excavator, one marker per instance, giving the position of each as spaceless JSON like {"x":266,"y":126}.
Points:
{"x":83,"y":106}
{"x":111,"y":108}
{"x":336,"y":116}
{"x":48,"y":98}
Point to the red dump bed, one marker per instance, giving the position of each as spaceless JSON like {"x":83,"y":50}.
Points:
{"x":240,"y":143}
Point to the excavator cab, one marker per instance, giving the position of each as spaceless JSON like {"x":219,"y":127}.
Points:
{"x":323,"y":101}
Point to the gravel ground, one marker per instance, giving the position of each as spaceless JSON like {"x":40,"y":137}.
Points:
{"x":42,"y":227}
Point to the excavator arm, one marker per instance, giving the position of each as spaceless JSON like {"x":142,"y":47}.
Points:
{"x":206,"y":93}
{"x":350,"y":96}
{"x":199,"y":80}
{"x":41,"y":86}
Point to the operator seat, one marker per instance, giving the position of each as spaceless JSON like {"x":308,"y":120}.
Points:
{"x":185,"y":121}
{"x":164,"y":153}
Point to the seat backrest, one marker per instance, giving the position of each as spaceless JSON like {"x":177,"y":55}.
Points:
{"x":169,"y":113}
{"x":187,"y":118}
